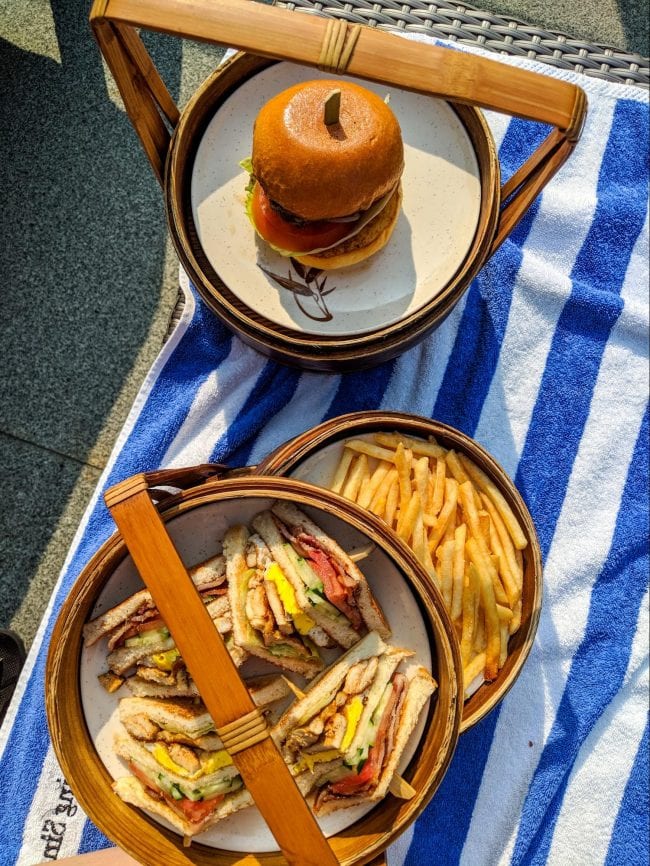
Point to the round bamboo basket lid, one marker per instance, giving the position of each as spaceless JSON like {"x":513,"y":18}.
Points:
{"x":313,"y":457}
{"x":79,"y":714}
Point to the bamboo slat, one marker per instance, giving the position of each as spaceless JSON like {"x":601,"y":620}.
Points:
{"x":453,"y":75}
{"x":260,"y":764}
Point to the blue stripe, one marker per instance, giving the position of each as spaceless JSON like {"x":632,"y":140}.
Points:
{"x":585,"y":323}
{"x":599,"y":664}
{"x":440,"y":832}
{"x":359,"y":391}
{"x":274,"y":387}
{"x":92,"y":839}
{"x":475,"y":354}
{"x":629,"y":843}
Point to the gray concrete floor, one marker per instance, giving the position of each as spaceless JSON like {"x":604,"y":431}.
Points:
{"x":88,"y":274}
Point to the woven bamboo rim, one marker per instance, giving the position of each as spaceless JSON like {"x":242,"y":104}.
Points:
{"x":289,"y":456}
{"x":147,"y":841}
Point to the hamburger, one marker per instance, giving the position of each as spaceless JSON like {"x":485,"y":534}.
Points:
{"x":326,"y":194}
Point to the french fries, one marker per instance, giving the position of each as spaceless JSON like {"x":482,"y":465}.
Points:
{"x":459,"y":526}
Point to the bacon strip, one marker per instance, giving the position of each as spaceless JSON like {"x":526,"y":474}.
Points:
{"x":148,"y":614}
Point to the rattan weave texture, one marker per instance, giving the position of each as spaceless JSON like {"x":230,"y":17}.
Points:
{"x":468,"y":25}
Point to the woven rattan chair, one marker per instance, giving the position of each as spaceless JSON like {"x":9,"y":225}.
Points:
{"x":468,"y":25}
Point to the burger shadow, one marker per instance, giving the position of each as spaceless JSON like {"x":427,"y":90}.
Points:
{"x":358,"y":298}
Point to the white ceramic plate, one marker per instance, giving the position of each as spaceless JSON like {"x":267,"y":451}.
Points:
{"x":440,"y":211}
{"x":197,"y":535}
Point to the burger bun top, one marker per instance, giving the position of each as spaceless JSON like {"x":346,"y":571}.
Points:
{"x":318,"y":171}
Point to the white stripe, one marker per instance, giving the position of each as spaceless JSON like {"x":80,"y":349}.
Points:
{"x":540,"y":292}
{"x":217,"y":403}
{"x":313,"y":394}
{"x":54,"y":824}
{"x":418,"y":373}
{"x":580,"y":547}
{"x":597,"y":784}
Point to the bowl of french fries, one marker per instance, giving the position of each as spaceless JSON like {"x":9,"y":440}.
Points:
{"x":461,"y":515}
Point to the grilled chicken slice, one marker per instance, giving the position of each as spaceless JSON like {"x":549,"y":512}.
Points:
{"x":334,"y":731}
{"x":184,"y":757}
{"x":300,"y":738}
{"x":141,"y":728}
{"x":360,"y":676}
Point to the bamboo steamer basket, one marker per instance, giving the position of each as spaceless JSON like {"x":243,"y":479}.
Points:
{"x":182,"y":513}
{"x":299,"y":458}
{"x":267,"y":35}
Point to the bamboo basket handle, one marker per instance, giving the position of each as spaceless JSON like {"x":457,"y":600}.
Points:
{"x":336,"y":46}
{"x":240,"y":724}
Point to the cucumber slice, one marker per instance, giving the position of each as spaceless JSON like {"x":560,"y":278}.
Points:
{"x":304,"y":569}
{"x":154,"y":635}
{"x":224,"y":786}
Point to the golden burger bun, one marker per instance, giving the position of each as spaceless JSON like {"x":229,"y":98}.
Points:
{"x":320,"y":172}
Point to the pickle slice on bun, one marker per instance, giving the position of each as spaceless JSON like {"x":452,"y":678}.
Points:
{"x":326,"y":194}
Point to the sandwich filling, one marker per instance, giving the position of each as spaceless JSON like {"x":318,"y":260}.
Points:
{"x":352,"y":733}
{"x":341,"y":741}
{"x":266,"y":620}
{"x":137,"y":621}
{"x":274,"y":617}
{"x":327,"y":581}
{"x":191,"y":781}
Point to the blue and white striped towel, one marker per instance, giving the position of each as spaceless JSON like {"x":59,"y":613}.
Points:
{"x":545,"y":362}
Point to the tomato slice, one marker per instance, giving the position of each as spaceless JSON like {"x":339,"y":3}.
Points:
{"x":146,"y":781}
{"x":194,"y":811}
{"x":340,"y":596}
{"x":289,"y":237}
{"x":197,"y":811}
{"x":351,"y":784}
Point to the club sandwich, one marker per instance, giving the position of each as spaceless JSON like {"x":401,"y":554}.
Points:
{"x":137,"y":638}
{"x":343,"y":740}
{"x":328,"y":587}
{"x":266,"y":620}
